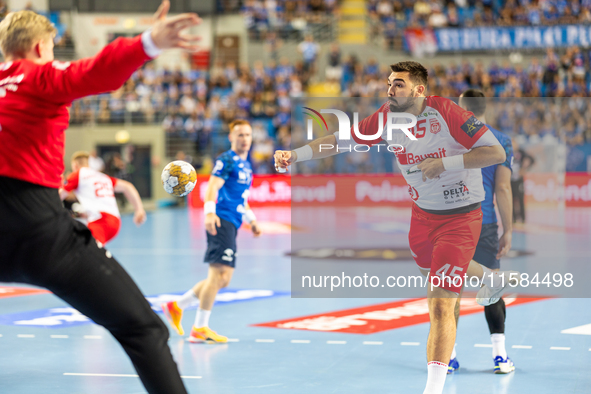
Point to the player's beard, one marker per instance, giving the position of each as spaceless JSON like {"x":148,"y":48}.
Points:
{"x":403,"y":104}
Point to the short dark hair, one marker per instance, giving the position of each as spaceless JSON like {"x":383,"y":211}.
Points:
{"x":417,"y":72}
{"x":474,"y":101}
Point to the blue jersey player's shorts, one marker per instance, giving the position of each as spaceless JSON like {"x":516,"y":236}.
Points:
{"x":221,"y":248}
{"x":488,"y":247}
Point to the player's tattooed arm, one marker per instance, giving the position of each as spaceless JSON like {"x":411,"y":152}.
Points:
{"x":212,"y":220}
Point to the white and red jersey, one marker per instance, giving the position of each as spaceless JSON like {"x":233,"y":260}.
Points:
{"x":35,"y":100}
{"x":95,"y":192}
{"x":443,"y":129}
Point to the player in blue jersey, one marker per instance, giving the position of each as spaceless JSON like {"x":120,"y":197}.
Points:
{"x":490,"y":248}
{"x":230,"y":182}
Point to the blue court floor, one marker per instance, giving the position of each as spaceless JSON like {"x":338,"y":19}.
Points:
{"x":47,"y":348}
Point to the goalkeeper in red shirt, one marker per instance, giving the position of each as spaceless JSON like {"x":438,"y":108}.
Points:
{"x":40,"y":243}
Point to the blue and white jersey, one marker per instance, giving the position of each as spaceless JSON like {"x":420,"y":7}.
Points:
{"x":234,"y":194}
{"x":488,"y":178}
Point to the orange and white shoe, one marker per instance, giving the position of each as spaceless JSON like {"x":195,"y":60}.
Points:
{"x":174,"y":315}
{"x":206,"y":334}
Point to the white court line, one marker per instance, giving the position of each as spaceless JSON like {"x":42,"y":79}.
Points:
{"x":26,"y":335}
{"x":521,"y":347}
{"x":92,"y":337}
{"x":118,"y":375}
{"x":300,"y":341}
{"x":483,"y":345}
{"x":265,"y":340}
{"x":336,"y":342}
{"x":59,"y":336}
{"x":410,"y":343}
{"x":372,"y":343}
{"x":559,"y":348}
{"x":233,"y":340}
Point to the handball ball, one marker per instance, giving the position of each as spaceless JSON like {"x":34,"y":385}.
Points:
{"x":179,"y":178}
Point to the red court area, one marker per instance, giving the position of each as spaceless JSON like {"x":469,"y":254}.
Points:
{"x":381,"y":317}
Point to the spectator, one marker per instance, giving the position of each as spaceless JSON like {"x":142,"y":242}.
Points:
{"x":309,"y":51}
{"x":437,"y":18}
{"x":522,"y":163}
{"x":334,"y":69}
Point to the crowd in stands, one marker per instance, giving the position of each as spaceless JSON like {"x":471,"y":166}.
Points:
{"x":470,"y":13}
{"x":196,"y":106}
{"x":286,"y":18}
{"x":391,"y":17}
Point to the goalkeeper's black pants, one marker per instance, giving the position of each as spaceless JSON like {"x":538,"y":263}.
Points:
{"x":40,"y":244}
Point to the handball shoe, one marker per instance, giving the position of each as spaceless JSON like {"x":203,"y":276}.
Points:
{"x":206,"y":334}
{"x":488,"y":295}
{"x":453,"y":365}
{"x":503,"y":366}
{"x":174,"y":314}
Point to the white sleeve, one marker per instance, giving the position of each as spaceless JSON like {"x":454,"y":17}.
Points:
{"x":487,"y":139}
{"x":149,"y":47}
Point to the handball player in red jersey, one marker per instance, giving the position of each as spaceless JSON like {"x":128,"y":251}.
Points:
{"x":40,"y":243}
{"x":441,"y":165}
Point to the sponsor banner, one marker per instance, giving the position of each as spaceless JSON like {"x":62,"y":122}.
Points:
{"x":351,"y":190}
{"x":544,"y":190}
{"x":8,"y":291}
{"x":541,"y":189}
{"x":491,"y":38}
{"x":69,"y":317}
{"x":552,"y":190}
{"x":577,"y":189}
{"x":303,"y":190}
{"x":265,"y":190}
{"x":420,"y":42}
{"x":381,"y":317}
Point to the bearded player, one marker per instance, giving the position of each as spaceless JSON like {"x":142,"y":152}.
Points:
{"x":40,"y":244}
{"x":230,"y":182}
{"x":442,"y":168}
{"x":96,"y":193}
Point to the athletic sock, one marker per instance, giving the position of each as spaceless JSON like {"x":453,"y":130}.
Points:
{"x":495,"y":317}
{"x":202,"y":318}
{"x":453,"y":353}
{"x":436,"y":374}
{"x":498,"y":342}
{"x":187,"y":300}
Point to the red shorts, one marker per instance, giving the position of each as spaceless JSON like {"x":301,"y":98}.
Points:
{"x":105,"y":228}
{"x":444,"y":244}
